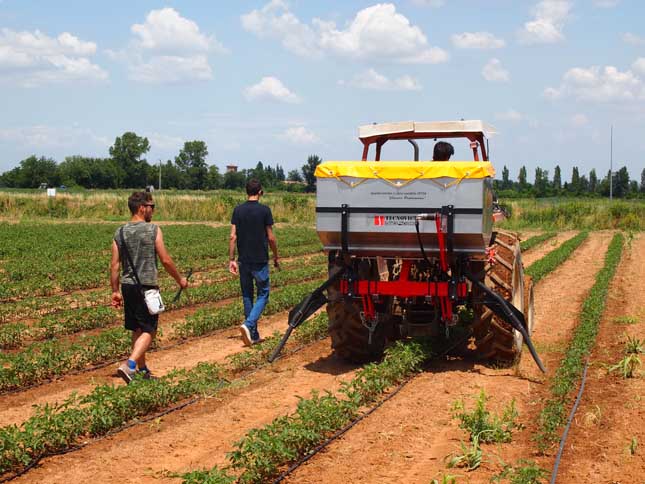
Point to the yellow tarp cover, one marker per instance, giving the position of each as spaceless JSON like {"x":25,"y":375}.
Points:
{"x":405,"y":170}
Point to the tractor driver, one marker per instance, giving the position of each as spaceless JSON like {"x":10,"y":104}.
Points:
{"x":442,"y":151}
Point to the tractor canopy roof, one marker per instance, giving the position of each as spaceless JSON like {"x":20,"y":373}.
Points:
{"x":474,"y":130}
{"x":432,"y":129}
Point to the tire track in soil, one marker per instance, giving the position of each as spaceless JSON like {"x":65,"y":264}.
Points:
{"x":612,"y":409}
{"x":200,"y":435}
{"x":16,"y":407}
{"x":408,"y":438}
{"x":536,"y":253}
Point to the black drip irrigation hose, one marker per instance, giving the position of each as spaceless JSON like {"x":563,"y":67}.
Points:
{"x":145,"y":419}
{"x":554,"y":474}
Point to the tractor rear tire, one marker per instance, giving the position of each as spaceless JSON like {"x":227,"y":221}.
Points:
{"x":349,"y":337}
{"x":495,"y":339}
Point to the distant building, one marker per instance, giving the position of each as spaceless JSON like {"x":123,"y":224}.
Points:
{"x":231,"y":168}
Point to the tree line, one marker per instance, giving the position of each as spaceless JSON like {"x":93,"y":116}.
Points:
{"x":126,"y":167}
{"x":579,"y":185}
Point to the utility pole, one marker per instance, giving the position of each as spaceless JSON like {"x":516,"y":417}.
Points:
{"x":611,"y":164}
{"x":159,"y":174}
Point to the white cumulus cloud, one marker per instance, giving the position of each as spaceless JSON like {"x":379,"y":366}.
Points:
{"x":371,"y":79}
{"x":639,"y":66}
{"x":42,"y":137}
{"x":34,"y":58}
{"x":429,"y":3}
{"x":493,"y":71}
{"x":633,"y":39}
{"x":510,"y":115}
{"x":477,"y":40}
{"x":579,"y":120}
{"x":169,"y":48}
{"x":549,"y":18}
{"x":606,"y":3}
{"x":598,"y":84}
{"x":300,"y":135}
{"x":274,"y":20}
{"x":272,"y":88}
{"x":378,"y":31}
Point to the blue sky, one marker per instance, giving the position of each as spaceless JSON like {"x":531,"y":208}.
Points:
{"x":278,"y":80}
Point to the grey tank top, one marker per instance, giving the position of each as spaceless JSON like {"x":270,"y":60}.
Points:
{"x":140,"y":239}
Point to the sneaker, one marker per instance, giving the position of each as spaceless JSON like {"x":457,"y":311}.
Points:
{"x":126,"y":373}
{"x":246,"y":335}
{"x":257,"y":341}
{"x":146,"y":374}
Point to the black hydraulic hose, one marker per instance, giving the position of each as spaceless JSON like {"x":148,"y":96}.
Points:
{"x":423,"y":252}
{"x":508,"y":316}
{"x":554,"y":474}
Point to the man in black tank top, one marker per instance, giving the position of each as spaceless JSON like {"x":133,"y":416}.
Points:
{"x":252,"y":234}
{"x":144,"y":242}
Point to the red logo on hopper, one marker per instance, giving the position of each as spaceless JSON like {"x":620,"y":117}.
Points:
{"x":379,"y":220}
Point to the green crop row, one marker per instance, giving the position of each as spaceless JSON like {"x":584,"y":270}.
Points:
{"x":262,"y":452}
{"x":536,"y":240}
{"x":43,"y":360}
{"x":13,"y":335}
{"x":553,"y":259}
{"x":61,"y":426}
{"x":108,"y":407}
{"x":43,"y":259}
{"x":568,"y":373}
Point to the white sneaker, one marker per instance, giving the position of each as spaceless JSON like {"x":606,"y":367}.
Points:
{"x":126,"y":373}
{"x":246,"y":335}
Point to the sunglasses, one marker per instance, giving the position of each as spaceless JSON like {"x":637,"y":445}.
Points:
{"x":152,"y":205}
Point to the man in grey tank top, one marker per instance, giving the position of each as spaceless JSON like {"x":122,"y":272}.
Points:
{"x":144,"y":242}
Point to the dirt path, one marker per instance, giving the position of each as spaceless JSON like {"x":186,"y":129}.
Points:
{"x":408,"y":438}
{"x":612,"y":409}
{"x":16,"y":407}
{"x":200,"y":435}
{"x":530,"y":256}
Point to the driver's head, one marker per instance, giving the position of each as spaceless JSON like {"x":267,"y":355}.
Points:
{"x":442,"y":151}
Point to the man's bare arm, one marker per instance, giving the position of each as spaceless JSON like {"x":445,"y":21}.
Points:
{"x":273,"y":243}
{"x":167,"y":261}
{"x":232,"y":240}
{"x":115,"y":263}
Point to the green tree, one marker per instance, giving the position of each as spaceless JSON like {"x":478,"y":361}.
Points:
{"x":642,"y":188}
{"x":522,"y":179}
{"x":34,"y":171}
{"x":127,"y":153}
{"x":621,"y":183}
{"x":214,"y":180}
{"x":541,"y":185}
{"x":308,"y":171}
{"x":279,"y":173}
{"x":294,"y":176}
{"x":506,"y":180}
{"x":574,"y":186}
{"x":234,"y":180}
{"x":89,"y":172}
{"x":593,"y":181}
{"x":192,"y":161}
{"x":557,"y":178}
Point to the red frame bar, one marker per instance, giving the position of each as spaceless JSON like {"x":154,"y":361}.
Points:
{"x":401,"y":288}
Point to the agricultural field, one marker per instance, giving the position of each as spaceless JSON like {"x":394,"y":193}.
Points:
{"x":220,"y":413}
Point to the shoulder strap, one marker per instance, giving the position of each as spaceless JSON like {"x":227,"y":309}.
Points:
{"x":127,"y":253}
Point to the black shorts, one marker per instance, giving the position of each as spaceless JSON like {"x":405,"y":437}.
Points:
{"x":136,"y":312}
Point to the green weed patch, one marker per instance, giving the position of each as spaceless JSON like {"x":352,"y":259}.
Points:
{"x":568,"y":373}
